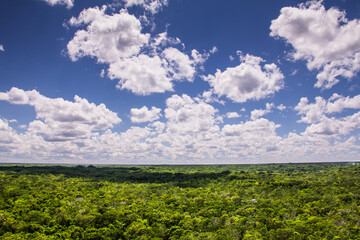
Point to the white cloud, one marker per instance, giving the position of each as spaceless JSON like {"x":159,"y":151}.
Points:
{"x":102,"y":73}
{"x":210,"y":97}
{"x":162,"y":40}
{"x":107,"y":37}
{"x":281,"y":107}
{"x":181,"y":67}
{"x":142,"y":74}
{"x":187,"y":115}
{"x":159,"y":126}
{"x":142,"y":64}
{"x":7,"y":134}
{"x":315,"y":112}
{"x":179,"y":140}
{"x":199,"y":58}
{"x":144,"y":114}
{"x":324,"y":38}
{"x":15,"y":96}
{"x":250,"y":140}
{"x":214,"y":50}
{"x":257,"y":113}
{"x":191,"y":133}
{"x":68,"y":3}
{"x":333,"y":126}
{"x":61,"y":120}
{"x":233,"y":115}
{"x":152,"y":6}
{"x":257,"y":127}
{"x":2,"y":48}
{"x":247,"y":81}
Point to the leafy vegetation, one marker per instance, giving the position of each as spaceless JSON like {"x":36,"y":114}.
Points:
{"x":290,"y":201}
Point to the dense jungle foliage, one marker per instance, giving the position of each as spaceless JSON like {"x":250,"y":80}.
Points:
{"x":288,"y":201}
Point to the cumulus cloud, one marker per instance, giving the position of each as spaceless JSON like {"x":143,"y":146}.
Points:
{"x":162,"y":40}
{"x":250,"y":139}
{"x":247,"y":81}
{"x":210,"y":97}
{"x":68,"y":3}
{"x":326,"y":39}
{"x":187,"y":115}
{"x":142,"y":75}
{"x":281,"y":107}
{"x":201,"y":58}
{"x":107,"y":37}
{"x":61,"y":120}
{"x":233,"y":115}
{"x":334,"y":126}
{"x":2,"y":48}
{"x":181,"y":67}
{"x":15,"y":96}
{"x":318,"y":115}
{"x":152,"y":6}
{"x":142,"y":63}
{"x":258,"y":127}
{"x":315,"y":112}
{"x":144,"y":114}
{"x":7,"y":134}
{"x":257,"y":113}
{"x":190,"y":132}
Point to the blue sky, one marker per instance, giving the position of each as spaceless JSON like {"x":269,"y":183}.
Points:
{"x":179,"y":82}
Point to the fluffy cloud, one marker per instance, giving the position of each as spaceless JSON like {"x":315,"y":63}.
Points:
{"x":152,"y":6}
{"x":145,"y":74}
{"x":250,"y":140}
{"x":16,"y":96}
{"x":107,"y":37}
{"x":232,"y":115}
{"x":209,"y":97}
{"x":247,"y":81}
{"x":191,"y":133}
{"x":324,"y":38}
{"x":281,"y":107}
{"x":333,"y":126}
{"x":61,"y":120}
{"x":201,"y":58}
{"x":257,"y":113}
{"x":7,"y":134}
{"x":181,"y":67}
{"x":187,"y":115}
{"x":2,"y":48}
{"x":144,"y":114}
{"x":315,"y":112}
{"x":68,"y":3}
{"x":257,"y":127}
{"x":142,"y":64}
{"x":142,"y":75}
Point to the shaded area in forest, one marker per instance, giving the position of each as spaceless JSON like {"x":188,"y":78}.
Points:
{"x":179,"y":175}
{"x":119,"y":174}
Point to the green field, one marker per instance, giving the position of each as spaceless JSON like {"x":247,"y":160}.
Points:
{"x":289,"y":201}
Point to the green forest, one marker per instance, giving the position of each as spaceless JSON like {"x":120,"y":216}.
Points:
{"x":275,"y":201}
